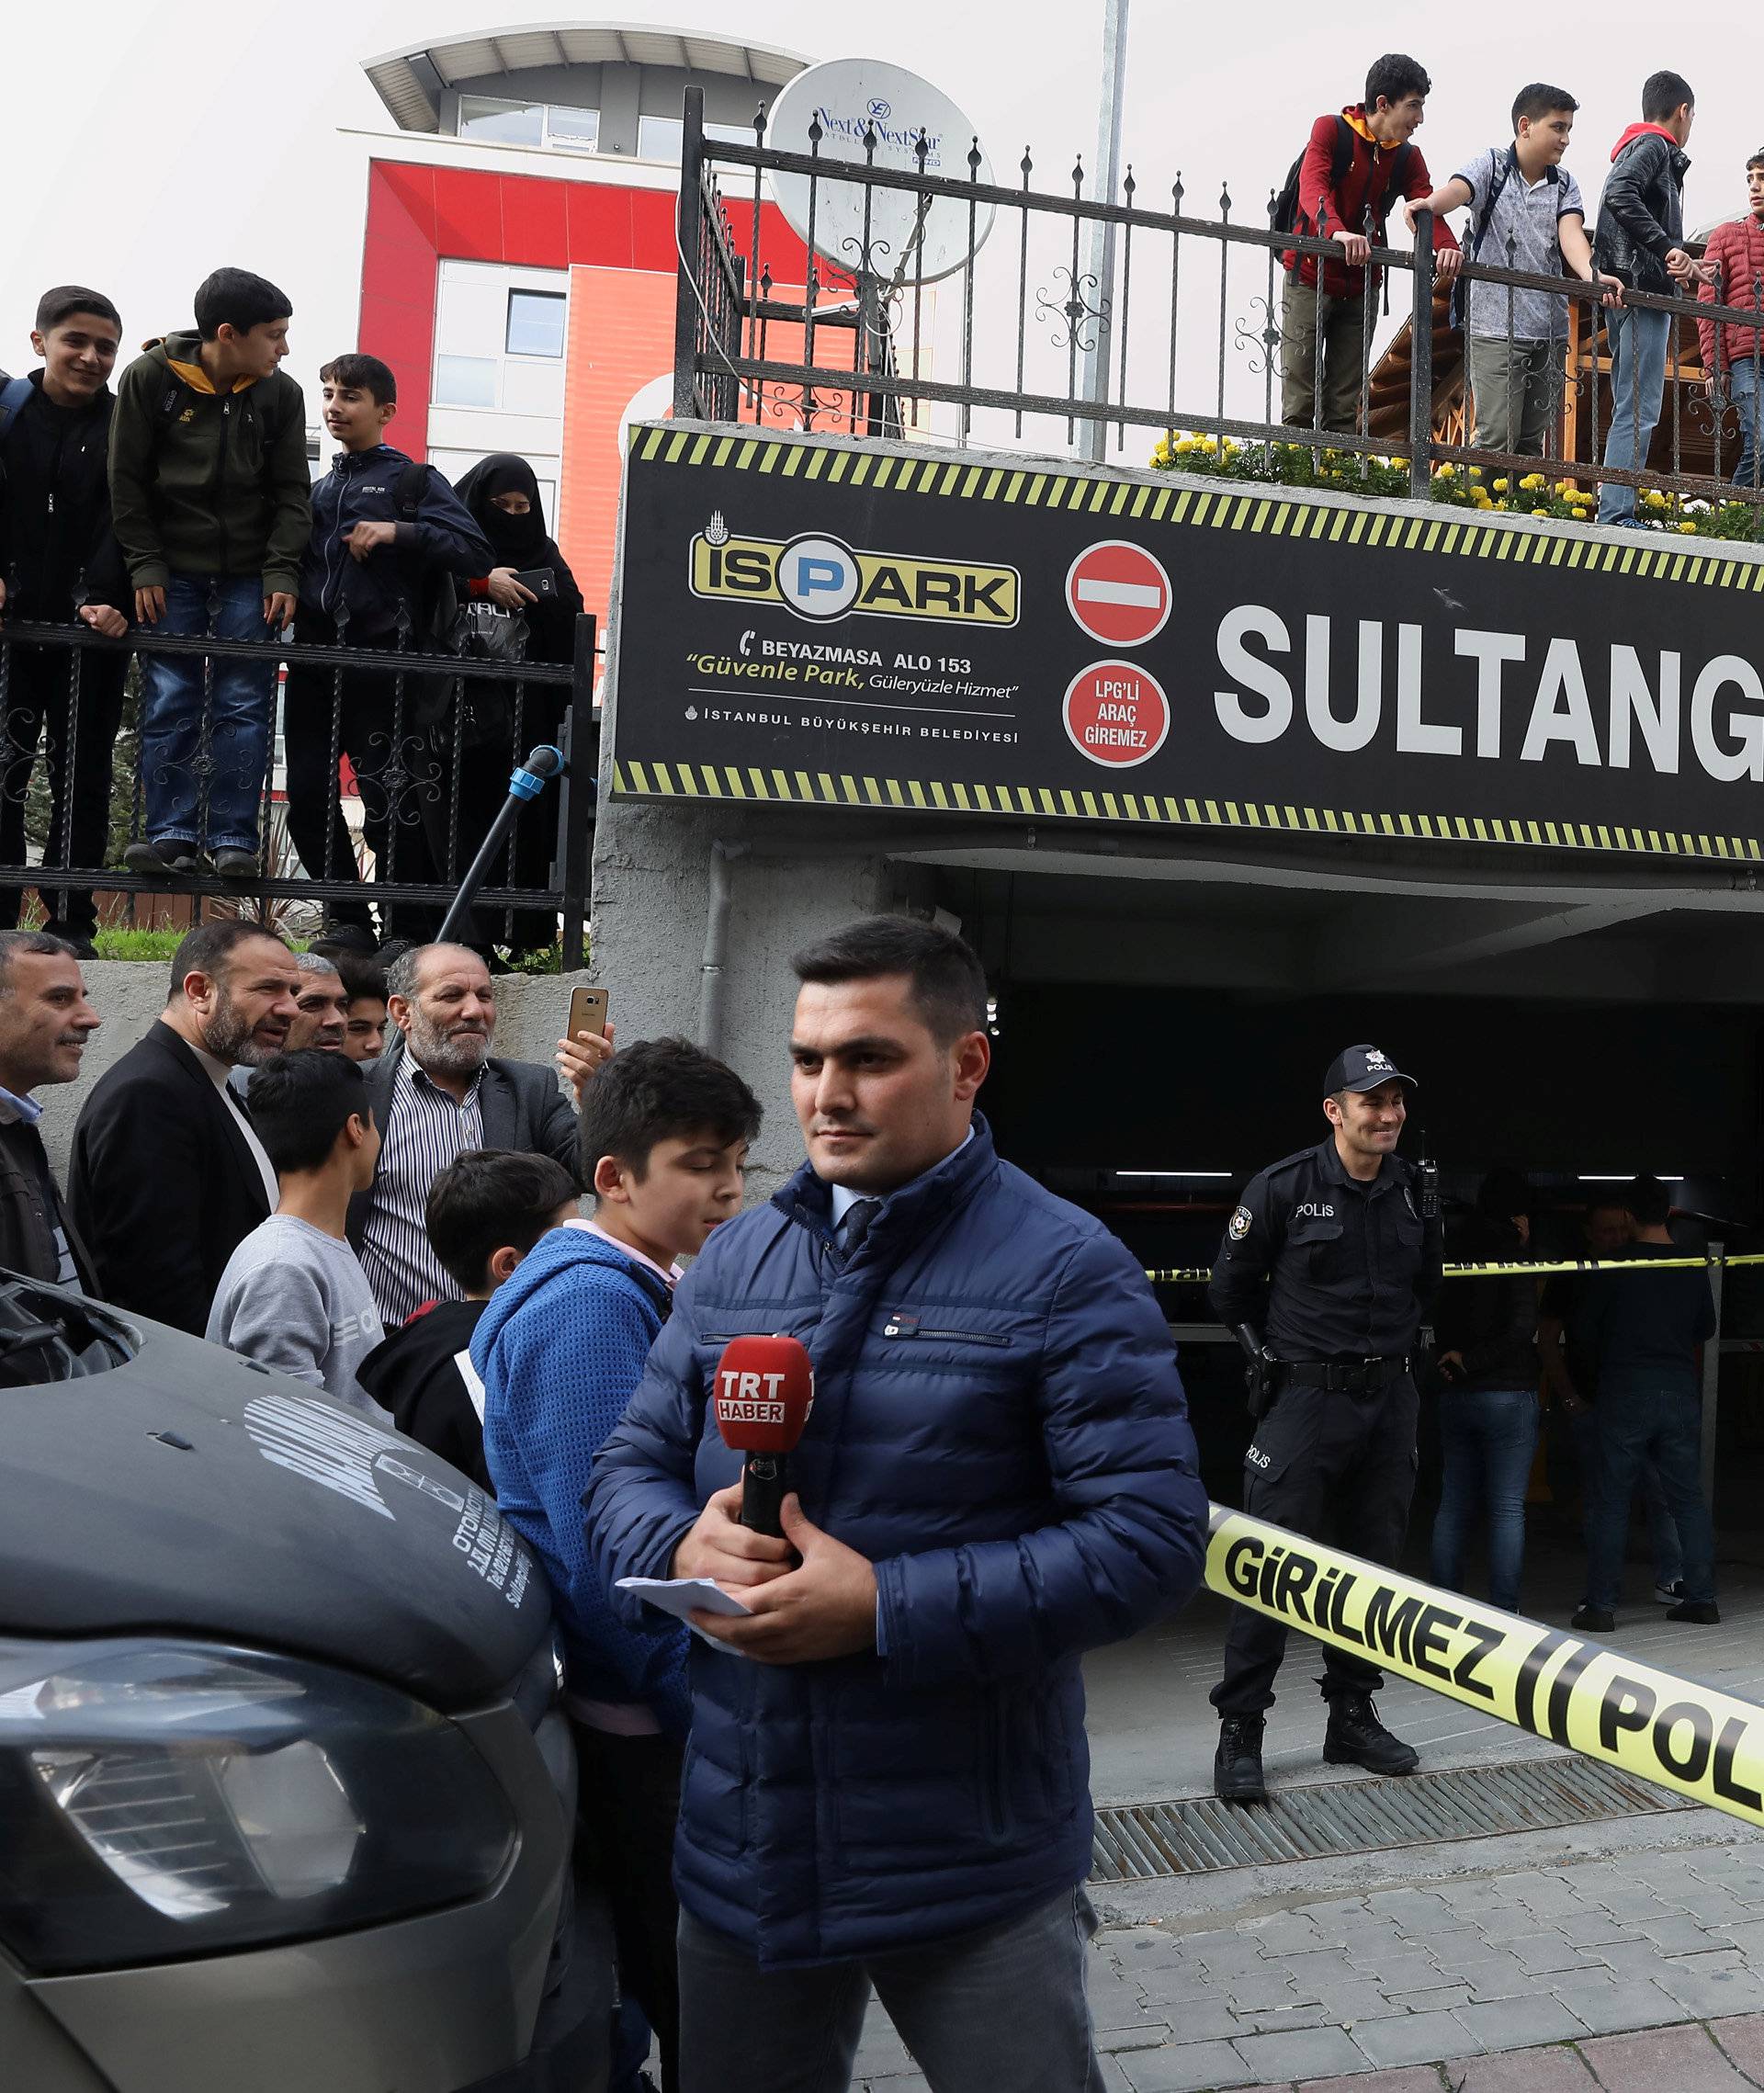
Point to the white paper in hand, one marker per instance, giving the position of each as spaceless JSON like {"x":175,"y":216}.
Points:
{"x":683,"y":1595}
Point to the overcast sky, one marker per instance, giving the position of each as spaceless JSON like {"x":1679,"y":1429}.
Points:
{"x":141,"y":145}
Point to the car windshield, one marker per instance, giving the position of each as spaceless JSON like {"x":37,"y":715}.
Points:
{"x":50,"y":1333}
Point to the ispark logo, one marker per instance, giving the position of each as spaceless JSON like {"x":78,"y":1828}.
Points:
{"x":821,"y":579}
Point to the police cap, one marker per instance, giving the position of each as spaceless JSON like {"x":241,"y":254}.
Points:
{"x":1363,"y":1067}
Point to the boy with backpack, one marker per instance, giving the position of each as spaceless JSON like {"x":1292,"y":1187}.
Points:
{"x":1526,"y":214}
{"x":209,"y":492}
{"x":58,"y":561}
{"x":388,"y":536}
{"x":1340,"y":189}
{"x":484,"y":1213}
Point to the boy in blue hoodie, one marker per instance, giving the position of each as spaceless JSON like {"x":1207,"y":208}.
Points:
{"x":385,"y":534}
{"x":560,"y":1349}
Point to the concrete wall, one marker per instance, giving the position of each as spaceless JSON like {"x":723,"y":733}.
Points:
{"x":652,"y":893}
{"x":129,"y":995}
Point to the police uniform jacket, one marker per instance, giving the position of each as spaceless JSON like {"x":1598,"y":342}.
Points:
{"x":1327,"y":1267}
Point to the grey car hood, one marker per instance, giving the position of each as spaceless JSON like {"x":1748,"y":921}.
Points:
{"x":189,"y":1490}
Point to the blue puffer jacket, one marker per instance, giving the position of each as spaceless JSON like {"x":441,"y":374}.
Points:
{"x":1000,"y":1427}
{"x":560,"y":1347}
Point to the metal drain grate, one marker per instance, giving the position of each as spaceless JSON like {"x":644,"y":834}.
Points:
{"x":1302,"y":1824}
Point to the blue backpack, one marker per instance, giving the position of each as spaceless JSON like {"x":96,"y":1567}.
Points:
{"x":14,"y":392}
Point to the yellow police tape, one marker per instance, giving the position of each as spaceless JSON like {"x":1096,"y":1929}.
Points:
{"x":1693,"y":1739}
{"x":1198,"y":1274}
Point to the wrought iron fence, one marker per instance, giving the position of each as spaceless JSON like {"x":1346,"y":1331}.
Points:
{"x":1205,"y":329}
{"x":94,"y":762}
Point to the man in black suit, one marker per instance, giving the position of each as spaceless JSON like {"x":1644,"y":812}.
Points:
{"x":45,"y":1022}
{"x":439,"y":1092}
{"x":168,"y":1176}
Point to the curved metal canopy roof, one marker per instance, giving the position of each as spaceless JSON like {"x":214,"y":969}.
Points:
{"x":410,"y":82}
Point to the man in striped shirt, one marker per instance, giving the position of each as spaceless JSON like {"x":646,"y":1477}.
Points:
{"x":439,"y":1092}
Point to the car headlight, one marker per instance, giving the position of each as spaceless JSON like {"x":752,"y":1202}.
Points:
{"x":162,"y":1799}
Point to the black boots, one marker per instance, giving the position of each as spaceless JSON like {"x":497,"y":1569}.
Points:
{"x":1237,"y":1764}
{"x":1356,"y":1737}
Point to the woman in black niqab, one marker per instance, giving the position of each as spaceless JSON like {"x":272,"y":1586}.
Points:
{"x":517,"y":537}
{"x":502,"y":494}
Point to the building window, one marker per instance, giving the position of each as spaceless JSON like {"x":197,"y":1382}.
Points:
{"x":659,"y":138}
{"x":663,"y":137}
{"x":571,"y":130}
{"x":502,"y":123}
{"x":536,"y":323}
{"x":529,"y":123}
{"x":465,"y":382}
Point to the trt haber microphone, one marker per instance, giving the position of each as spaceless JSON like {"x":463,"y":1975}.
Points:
{"x":763,"y":1394}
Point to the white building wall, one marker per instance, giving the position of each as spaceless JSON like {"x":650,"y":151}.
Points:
{"x":489,"y":397}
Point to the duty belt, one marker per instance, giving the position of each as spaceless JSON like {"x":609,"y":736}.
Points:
{"x":1343,"y":1376}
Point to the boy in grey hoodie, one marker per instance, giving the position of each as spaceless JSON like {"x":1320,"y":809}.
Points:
{"x":293,"y":1296}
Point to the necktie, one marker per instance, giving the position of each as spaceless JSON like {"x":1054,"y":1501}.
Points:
{"x":859,"y":1219}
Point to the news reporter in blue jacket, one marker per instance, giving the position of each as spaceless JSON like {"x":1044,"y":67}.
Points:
{"x":887,"y":1778}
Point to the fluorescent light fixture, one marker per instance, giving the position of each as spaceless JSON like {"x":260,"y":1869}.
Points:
{"x":1225,"y":1174}
{"x":1626,"y":1176}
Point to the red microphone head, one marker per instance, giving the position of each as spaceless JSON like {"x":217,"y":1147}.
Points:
{"x":763,"y":1391}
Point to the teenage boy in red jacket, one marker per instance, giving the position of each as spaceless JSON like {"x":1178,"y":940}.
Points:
{"x":1734,"y":356}
{"x":1355,"y":168}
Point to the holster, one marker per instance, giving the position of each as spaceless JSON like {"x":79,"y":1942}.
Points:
{"x":1262,"y":1388}
{"x":1261,"y":1373}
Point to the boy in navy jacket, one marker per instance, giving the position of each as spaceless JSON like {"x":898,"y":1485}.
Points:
{"x":383,"y":529}
{"x":60,"y":561}
{"x":559,"y":1349}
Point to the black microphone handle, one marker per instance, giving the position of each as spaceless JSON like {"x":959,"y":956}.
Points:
{"x":542,"y":762}
{"x":765,"y":1482}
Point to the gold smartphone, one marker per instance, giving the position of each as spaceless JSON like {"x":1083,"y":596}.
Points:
{"x":587,"y":1011}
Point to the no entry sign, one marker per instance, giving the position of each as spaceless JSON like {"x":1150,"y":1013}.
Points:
{"x":1116,"y":713}
{"x":1118,"y":592}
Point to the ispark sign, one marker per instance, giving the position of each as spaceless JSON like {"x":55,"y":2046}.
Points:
{"x":819,"y":578}
{"x":815,"y":621}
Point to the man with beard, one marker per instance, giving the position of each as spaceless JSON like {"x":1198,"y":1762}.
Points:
{"x":321,"y":1015}
{"x":168,"y":1177}
{"x":439,"y":1092}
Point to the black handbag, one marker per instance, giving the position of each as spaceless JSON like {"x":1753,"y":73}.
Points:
{"x":485,"y":631}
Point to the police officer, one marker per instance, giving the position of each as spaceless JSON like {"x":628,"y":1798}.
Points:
{"x":1326,"y":1270}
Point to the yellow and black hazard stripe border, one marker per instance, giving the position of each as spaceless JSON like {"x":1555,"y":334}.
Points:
{"x":1326,"y":518}
{"x":648,"y":779}
{"x":1676,"y":1732}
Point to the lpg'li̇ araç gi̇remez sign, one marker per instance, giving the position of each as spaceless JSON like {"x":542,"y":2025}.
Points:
{"x":813,"y":621}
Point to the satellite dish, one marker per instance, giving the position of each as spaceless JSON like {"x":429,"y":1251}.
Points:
{"x":911,"y":238}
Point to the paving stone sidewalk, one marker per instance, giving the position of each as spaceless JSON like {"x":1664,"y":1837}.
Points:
{"x":1718,"y":2056}
{"x":1347,"y":1987}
